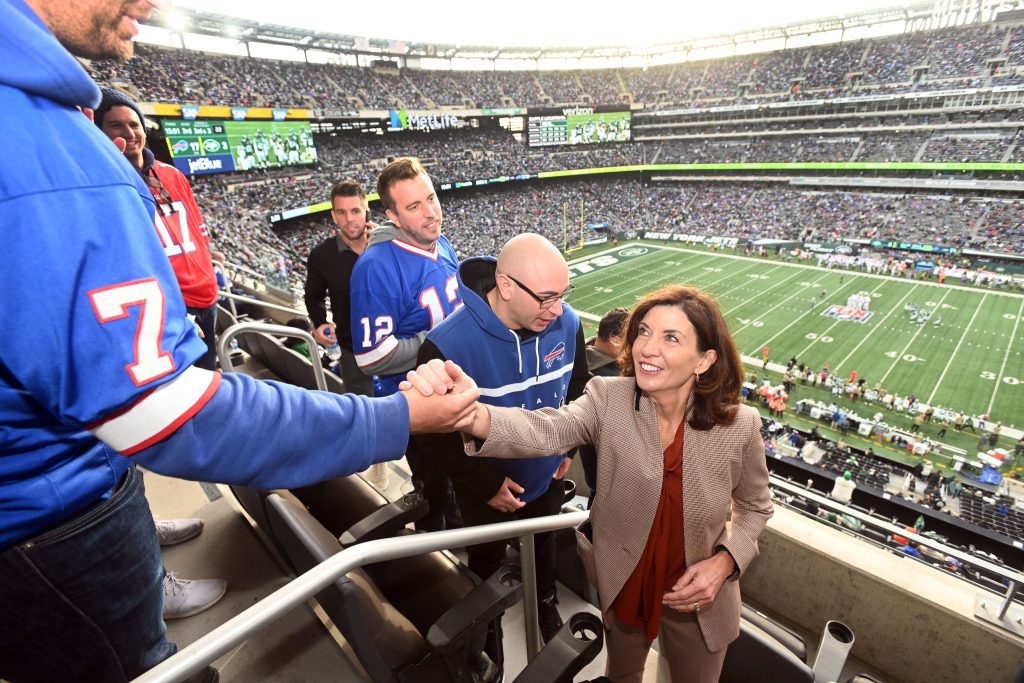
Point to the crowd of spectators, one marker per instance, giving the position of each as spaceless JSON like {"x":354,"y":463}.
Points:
{"x":972,"y":147}
{"x":947,"y":58}
{"x":1002,"y":231}
{"x":240,"y":204}
{"x":481,"y":221}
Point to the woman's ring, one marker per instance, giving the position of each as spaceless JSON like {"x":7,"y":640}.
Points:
{"x":696,"y":607}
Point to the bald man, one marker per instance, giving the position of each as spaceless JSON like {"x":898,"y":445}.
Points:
{"x":524,"y":346}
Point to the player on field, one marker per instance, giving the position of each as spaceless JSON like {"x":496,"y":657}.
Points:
{"x":308,"y":149}
{"x":246,"y":154}
{"x":261,"y":148}
{"x":293,"y":148}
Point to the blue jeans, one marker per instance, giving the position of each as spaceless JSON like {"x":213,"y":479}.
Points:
{"x":84,"y":601}
{"x":206,"y":319}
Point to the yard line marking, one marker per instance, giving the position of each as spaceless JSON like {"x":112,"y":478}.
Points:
{"x":838,"y":271}
{"x":999,"y":378}
{"x":782,"y":282}
{"x":912,"y":340}
{"x":645,"y":277}
{"x":963,"y":336}
{"x":892,"y":310}
{"x":800,"y":317}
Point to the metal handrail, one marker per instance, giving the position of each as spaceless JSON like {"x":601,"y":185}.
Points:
{"x":224,"y":342}
{"x":229,"y":635}
{"x":824,"y":501}
{"x":258,"y":302}
{"x":232,"y":633}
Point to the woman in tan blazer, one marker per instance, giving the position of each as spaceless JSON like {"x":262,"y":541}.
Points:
{"x":658,"y":549}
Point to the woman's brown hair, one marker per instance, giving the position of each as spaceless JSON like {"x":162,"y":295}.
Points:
{"x":717,"y":393}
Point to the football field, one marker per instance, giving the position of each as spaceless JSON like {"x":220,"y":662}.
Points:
{"x":972,"y":360}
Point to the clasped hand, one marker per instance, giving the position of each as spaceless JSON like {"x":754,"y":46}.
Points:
{"x":442,"y":398}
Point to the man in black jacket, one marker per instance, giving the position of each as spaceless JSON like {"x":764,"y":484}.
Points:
{"x":328,"y":271}
{"x":602,"y":359}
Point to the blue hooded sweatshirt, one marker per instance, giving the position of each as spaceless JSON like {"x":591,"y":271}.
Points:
{"x":512,"y":368}
{"x":97,"y":352}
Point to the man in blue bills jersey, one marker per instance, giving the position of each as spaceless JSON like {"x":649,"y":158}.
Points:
{"x":100,"y":365}
{"x":401,"y":288}
{"x":404,"y":286}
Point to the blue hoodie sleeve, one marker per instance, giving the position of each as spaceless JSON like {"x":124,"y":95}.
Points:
{"x":273,"y":435}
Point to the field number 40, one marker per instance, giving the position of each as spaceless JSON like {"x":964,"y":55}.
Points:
{"x":1006,"y":380}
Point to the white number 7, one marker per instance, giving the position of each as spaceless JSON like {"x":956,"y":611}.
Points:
{"x":112,"y":303}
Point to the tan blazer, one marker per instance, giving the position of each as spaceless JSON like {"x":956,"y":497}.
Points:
{"x":723,"y":469}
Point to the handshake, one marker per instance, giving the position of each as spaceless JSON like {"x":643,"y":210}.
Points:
{"x":442,"y":398}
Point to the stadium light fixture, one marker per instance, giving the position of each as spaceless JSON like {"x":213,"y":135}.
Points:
{"x":176,"y":20}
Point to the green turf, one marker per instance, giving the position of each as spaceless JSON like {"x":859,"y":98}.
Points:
{"x":973,"y":361}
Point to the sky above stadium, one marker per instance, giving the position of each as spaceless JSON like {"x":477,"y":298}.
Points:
{"x":535,"y":22}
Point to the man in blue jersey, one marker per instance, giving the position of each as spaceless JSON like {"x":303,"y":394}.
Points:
{"x":524,"y":347}
{"x":405,"y":286}
{"x":402,"y":287}
{"x":110,"y":372}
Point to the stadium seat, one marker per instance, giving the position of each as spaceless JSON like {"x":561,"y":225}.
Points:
{"x":354,"y":511}
{"x":416,"y":619}
{"x":757,"y":656}
{"x":786,"y":637}
{"x":575,"y":645}
{"x":297,"y":369}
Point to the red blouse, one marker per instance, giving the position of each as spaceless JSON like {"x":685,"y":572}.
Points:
{"x":664,"y":558}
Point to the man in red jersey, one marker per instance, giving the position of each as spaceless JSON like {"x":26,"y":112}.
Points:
{"x":180,"y":224}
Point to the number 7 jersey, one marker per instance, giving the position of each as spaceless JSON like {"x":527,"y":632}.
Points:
{"x":399,"y":290}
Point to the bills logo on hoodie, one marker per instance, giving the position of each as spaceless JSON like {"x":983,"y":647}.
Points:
{"x":554,"y":354}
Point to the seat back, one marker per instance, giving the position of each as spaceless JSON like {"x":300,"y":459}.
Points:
{"x":788,"y":638}
{"x":265,"y":350}
{"x":381,"y":637}
{"x":341,"y":503}
{"x":756,"y":656}
{"x":298,"y":370}
{"x":225,"y":319}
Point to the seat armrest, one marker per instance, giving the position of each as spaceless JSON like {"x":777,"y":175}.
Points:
{"x":480,"y":606}
{"x":386,"y":521}
{"x":575,"y":645}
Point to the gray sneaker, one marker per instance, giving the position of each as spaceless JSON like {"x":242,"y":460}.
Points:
{"x":186,"y":597}
{"x":174,"y":531}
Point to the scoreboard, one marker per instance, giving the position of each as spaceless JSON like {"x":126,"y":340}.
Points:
{"x":202,"y":146}
{"x":577,"y":126}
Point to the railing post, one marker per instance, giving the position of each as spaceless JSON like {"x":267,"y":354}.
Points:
{"x":1010,"y":593}
{"x":528,"y":559}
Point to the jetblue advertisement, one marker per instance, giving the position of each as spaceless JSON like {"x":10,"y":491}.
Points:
{"x":225,"y":146}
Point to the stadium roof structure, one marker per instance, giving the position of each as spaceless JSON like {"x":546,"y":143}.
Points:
{"x":914,"y":17}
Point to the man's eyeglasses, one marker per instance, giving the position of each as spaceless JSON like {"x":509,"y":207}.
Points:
{"x":544,"y":301}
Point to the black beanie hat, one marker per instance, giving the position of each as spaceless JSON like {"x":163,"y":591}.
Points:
{"x":115,"y":98}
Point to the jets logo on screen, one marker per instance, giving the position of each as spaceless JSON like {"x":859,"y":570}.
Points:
{"x":847,"y":313}
{"x":554,"y":354}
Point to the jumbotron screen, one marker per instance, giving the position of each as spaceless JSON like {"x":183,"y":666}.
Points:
{"x":201,"y":146}
{"x":577,"y":126}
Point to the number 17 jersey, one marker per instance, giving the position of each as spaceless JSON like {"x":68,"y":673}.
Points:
{"x":399,"y":290}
